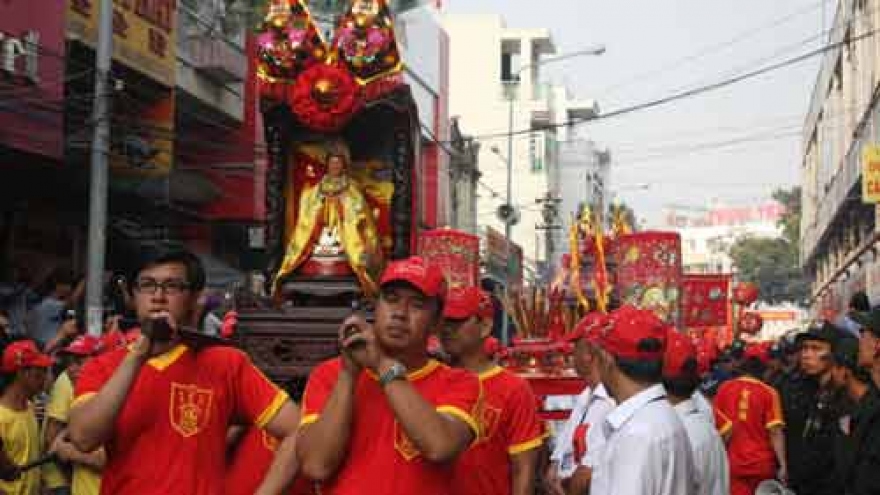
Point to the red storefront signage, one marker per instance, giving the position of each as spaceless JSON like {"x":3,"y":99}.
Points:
{"x":32,"y":86}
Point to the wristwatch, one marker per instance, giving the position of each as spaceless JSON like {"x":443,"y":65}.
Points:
{"x":397,"y":371}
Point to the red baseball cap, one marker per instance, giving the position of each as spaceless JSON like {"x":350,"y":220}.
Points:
{"x":23,"y":354}
{"x":84,"y":345}
{"x":679,"y":350}
{"x":757,"y":351}
{"x":467,"y":302}
{"x":590,"y":327}
{"x":113,"y":340}
{"x":424,"y":276}
{"x":629,"y":332}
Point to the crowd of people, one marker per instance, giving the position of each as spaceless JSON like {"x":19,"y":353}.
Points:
{"x":139,"y":411}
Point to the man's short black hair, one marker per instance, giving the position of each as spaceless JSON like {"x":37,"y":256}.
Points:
{"x":161,"y":255}
{"x":646,"y":371}
{"x":683,"y":386}
{"x":753,"y":367}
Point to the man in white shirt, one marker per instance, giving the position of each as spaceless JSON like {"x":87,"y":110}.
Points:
{"x":647,"y":451}
{"x":581,"y":439}
{"x":680,"y":379}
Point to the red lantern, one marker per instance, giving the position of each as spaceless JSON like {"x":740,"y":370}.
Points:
{"x":745,"y":293}
{"x":750,"y":322}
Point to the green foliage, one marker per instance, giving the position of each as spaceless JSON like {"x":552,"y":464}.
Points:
{"x":791,"y":220}
{"x":773,"y":264}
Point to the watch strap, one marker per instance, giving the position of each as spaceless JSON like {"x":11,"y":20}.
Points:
{"x":396,"y":372}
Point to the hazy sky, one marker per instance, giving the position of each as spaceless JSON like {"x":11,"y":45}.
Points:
{"x":736,"y":144}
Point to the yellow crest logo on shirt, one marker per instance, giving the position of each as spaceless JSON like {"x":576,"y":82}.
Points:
{"x":403,"y":445}
{"x":190,"y":408}
{"x":488,"y":418}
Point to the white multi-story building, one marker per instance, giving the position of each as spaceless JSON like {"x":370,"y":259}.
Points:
{"x":708,"y":233}
{"x":493,"y":69}
{"x":583,"y":179}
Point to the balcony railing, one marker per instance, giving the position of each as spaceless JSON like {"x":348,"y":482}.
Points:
{"x":213,"y":46}
{"x":835,"y":195}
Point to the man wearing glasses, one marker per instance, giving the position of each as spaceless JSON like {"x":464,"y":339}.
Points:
{"x":162,"y":408}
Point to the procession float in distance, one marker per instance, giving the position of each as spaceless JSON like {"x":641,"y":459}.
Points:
{"x":343,"y":134}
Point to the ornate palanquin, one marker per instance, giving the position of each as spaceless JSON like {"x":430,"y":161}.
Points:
{"x":320,"y":99}
{"x":318,"y":96}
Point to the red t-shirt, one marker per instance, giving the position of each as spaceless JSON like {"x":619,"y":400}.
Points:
{"x":510,"y":425}
{"x":170,"y":436}
{"x":380,"y":457}
{"x":250,"y":461}
{"x":753,"y":407}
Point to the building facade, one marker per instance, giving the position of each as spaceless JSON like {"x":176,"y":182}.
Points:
{"x":496,"y":71}
{"x":707,"y":234}
{"x":583,"y":180}
{"x":839,"y":236}
{"x":36,"y":228}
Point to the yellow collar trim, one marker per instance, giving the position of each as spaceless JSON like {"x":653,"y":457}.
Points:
{"x":418,"y":374}
{"x":494,"y":371}
{"x":163,"y":361}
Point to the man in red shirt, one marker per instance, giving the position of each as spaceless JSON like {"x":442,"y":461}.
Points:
{"x":384,"y":417}
{"x":756,"y":449}
{"x":162,"y":408}
{"x":505,"y":457}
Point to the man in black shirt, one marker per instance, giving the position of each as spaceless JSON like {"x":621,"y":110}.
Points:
{"x":857,"y":449}
{"x":812,"y":408}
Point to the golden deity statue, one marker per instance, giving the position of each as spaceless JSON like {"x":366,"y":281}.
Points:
{"x":335,"y":221}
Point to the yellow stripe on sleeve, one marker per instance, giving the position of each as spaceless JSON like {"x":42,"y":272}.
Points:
{"x":458,"y":413}
{"x":82,"y":399}
{"x":526,"y":446}
{"x":272,"y":409}
{"x":309,"y":419}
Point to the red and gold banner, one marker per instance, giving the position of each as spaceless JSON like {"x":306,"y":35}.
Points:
{"x":704,"y":300}
{"x":456,"y":252}
{"x":649,"y":272}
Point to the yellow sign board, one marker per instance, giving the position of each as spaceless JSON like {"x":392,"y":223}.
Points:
{"x":144,"y":33}
{"x":871,"y":174}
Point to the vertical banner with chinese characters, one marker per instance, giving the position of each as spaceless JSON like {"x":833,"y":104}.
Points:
{"x":456,"y":252}
{"x":704,"y":300}
{"x":871,"y":174}
{"x":649,"y":272}
{"x":145,"y":34}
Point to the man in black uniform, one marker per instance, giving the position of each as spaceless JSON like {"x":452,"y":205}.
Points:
{"x":857,"y":449}
{"x":812,"y":407}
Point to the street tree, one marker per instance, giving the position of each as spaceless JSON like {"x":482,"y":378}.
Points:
{"x":773,"y":263}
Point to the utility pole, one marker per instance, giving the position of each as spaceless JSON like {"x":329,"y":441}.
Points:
{"x":99,"y":182}
{"x":550,"y":216}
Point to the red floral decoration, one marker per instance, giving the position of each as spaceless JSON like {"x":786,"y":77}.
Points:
{"x":325,"y":97}
{"x":750,"y":322}
{"x":745,"y":293}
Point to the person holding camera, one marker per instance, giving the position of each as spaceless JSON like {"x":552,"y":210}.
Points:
{"x":162,"y":407}
{"x":384,"y":417}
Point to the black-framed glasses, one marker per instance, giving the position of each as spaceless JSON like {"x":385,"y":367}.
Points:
{"x":170,"y":287}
